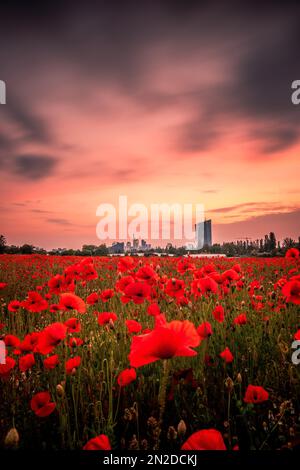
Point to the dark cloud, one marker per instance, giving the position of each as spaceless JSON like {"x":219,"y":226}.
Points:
{"x":33,"y":127}
{"x":40,"y":211}
{"x":58,"y":221}
{"x":120,"y":46}
{"x":283,"y":224}
{"x":33,"y":167}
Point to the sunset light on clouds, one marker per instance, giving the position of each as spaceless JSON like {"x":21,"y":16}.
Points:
{"x":162,"y":104}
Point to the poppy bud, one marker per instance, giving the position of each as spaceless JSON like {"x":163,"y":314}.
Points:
{"x":181,"y":428}
{"x":60,"y":390}
{"x":157,"y":268}
{"x":239,"y":378}
{"x":12,"y":438}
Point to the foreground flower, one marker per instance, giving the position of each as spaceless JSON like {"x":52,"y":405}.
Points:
{"x":255,"y":394}
{"x":51,"y":362}
{"x":207,"y":439}
{"x":218,"y":313}
{"x":133,"y":326}
{"x":126,"y":377}
{"x":291,"y":290}
{"x":35,"y":302}
{"x":137,"y":292}
{"x":41,"y":404}
{"x":6,"y":368}
{"x":98,"y":443}
{"x":51,"y":337}
{"x":71,"y":302}
{"x":14,"y":306}
{"x":106,"y":317}
{"x":240,"y":319}
{"x":26,"y":362}
{"x":227,"y":355}
{"x":204,"y":330}
{"x":166,"y":340}
{"x":72,"y":364}
{"x":292,"y":253}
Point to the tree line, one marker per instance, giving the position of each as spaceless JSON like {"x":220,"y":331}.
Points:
{"x":267,"y":246}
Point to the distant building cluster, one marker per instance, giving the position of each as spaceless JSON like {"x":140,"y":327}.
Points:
{"x":136,"y":246}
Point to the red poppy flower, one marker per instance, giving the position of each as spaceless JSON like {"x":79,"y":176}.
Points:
{"x":12,"y":340}
{"x":297,"y":335}
{"x":75,"y":342}
{"x":61,"y":283}
{"x":54,"y":308}
{"x":255,"y":394}
{"x":26,"y":362}
{"x":207,"y":285}
{"x":29,"y":342}
{"x":41,"y":404}
{"x":3,"y":285}
{"x":92,"y":299}
{"x":292,"y":253}
{"x":98,"y":443}
{"x":123,"y":283}
{"x":218,"y":313}
{"x":184,"y":265}
{"x":133,"y":326}
{"x":106,"y":317}
{"x":153,"y":310}
{"x":175,"y":287}
{"x":146,"y":273}
{"x":50,"y":337}
{"x":230,"y":275}
{"x":126,"y":377}
{"x":125,"y":264}
{"x":106,"y":295}
{"x":207,"y":439}
{"x":291,"y":290}
{"x":73,"y":325}
{"x":51,"y":362}
{"x":6,"y":368}
{"x":72,"y":364}
{"x":165,"y":341}
{"x":240,"y":319}
{"x":227,"y":355}
{"x":34,"y":302}
{"x":14,"y":306}
{"x":204,"y":330}
{"x":71,"y":302}
{"x":89,"y":272}
{"x":137,"y":292}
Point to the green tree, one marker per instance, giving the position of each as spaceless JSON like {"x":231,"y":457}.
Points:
{"x":27,"y":249}
{"x":2,"y":244}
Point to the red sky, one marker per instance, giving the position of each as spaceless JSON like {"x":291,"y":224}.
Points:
{"x":196,"y":110}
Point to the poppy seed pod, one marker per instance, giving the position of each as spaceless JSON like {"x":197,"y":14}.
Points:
{"x":181,"y":428}
{"x":172,"y":434}
{"x":239,"y":378}
{"x":229,"y":384}
{"x":12,"y":439}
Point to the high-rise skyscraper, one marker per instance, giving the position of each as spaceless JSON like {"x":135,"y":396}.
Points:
{"x":203,"y":234}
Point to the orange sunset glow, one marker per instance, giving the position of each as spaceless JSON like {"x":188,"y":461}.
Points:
{"x":190,"y":110}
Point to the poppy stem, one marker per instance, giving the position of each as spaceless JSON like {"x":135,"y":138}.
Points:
{"x":162,"y":395}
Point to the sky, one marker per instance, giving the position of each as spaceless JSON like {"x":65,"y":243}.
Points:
{"x":163,"y":101}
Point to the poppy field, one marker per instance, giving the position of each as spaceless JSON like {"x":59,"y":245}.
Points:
{"x":149,"y":353}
